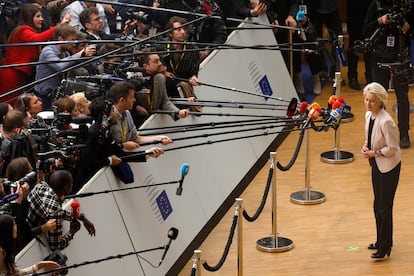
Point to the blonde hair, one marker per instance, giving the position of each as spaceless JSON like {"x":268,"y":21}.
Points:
{"x":377,"y":89}
{"x":80,"y":100}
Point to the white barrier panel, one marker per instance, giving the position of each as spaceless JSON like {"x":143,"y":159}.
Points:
{"x":139,"y":219}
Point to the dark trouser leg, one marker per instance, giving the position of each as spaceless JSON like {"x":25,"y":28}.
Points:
{"x":352,"y":65}
{"x":384,"y":186}
{"x":401,"y":91}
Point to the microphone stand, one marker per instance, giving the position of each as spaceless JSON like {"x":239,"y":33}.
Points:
{"x":347,"y":117}
{"x":118,"y":256}
{"x":307,"y":196}
{"x":237,"y":90}
{"x":336,"y":156}
{"x":119,"y":190}
{"x":274,"y":243}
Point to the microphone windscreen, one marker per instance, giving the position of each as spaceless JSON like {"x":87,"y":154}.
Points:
{"x":75,"y":206}
{"x":173,"y":233}
{"x":185,"y":167}
{"x":332,"y":99}
{"x":303,"y":107}
{"x":336,"y":105}
{"x":291,"y":109}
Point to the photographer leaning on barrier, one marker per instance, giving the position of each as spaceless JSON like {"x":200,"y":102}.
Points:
{"x":387,"y":27}
{"x":124,"y":132}
{"x":46,"y":203}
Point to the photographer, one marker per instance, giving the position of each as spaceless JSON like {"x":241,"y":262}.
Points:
{"x":46,"y":203}
{"x":387,"y":25}
{"x":93,"y":26}
{"x":16,"y":142}
{"x":19,"y":174}
{"x":157,"y":98}
{"x":100,"y":150}
{"x":124,"y":131}
{"x":45,"y":90}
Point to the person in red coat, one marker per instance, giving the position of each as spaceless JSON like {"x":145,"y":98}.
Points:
{"x":27,"y":30}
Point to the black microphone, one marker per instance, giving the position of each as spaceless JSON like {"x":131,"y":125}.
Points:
{"x":184,"y":171}
{"x":172,"y":235}
{"x":291,"y":109}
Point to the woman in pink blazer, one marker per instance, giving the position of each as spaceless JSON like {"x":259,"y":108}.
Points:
{"x":382,"y":149}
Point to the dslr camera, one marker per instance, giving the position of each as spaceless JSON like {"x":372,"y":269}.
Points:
{"x":30,"y":178}
{"x":138,"y":15}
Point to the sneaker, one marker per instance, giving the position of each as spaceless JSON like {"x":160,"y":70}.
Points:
{"x":316,"y":84}
{"x":353,"y":84}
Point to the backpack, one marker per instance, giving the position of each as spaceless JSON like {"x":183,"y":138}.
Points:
{"x":20,"y":145}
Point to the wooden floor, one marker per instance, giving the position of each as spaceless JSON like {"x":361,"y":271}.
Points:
{"x":330,"y":237}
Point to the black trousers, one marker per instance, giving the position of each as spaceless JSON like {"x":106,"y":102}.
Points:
{"x":400,"y":82}
{"x":384,"y":186}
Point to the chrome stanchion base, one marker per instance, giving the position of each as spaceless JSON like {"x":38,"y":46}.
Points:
{"x":347,"y":117}
{"x":307,"y":197}
{"x":272,"y":245}
{"x":337,"y":157}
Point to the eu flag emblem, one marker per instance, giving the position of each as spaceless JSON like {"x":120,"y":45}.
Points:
{"x":164,"y":205}
{"x":265,"y":86}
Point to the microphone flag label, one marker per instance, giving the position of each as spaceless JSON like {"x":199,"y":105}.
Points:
{"x":164,"y":205}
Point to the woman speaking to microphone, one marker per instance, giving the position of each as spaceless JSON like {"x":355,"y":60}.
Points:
{"x":382,"y":149}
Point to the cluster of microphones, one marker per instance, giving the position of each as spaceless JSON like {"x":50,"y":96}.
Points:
{"x":308,"y":114}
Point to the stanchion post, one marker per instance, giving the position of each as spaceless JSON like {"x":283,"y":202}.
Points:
{"x":336,"y":155}
{"x":239,"y":213}
{"x":307,"y":196}
{"x":197,"y":261}
{"x":274,"y":243}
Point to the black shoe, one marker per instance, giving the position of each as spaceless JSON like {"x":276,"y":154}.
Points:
{"x":405,"y":142}
{"x":372,"y":246}
{"x":353,"y":84}
{"x":379,"y":256}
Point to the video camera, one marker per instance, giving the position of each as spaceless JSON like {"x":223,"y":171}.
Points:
{"x":396,"y":14}
{"x":135,"y":14}
{"x":30,"y":178}
{"x":60,"y":258}
{"x":92,"y":86}
{"x":9,"y":8}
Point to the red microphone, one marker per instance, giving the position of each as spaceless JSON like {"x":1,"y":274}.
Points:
{"x":337,"y":105}
{"x":75,"y":206}
{"x":303,"y":108}
{"x":291,"y":109}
